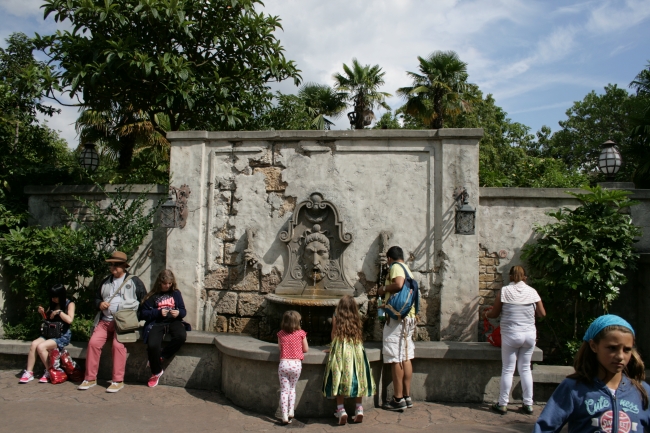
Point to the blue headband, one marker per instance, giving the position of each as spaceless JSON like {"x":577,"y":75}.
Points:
{"x":603,"y":322}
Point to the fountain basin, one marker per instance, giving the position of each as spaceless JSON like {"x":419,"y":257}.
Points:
{"x":310,"y":301}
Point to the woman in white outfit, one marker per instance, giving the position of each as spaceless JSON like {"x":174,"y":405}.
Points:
{"x":518,"y":304}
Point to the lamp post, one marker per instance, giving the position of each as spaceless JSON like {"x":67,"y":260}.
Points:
{"x":609,"y":163}
{"x":173,"y":213}
{"x":89,"y":158}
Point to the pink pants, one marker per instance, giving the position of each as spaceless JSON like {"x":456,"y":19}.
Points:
{"x":289,"y":372}
{"x":103,"y":331}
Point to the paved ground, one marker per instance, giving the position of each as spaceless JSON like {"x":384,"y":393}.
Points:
{"x":38,"y":407}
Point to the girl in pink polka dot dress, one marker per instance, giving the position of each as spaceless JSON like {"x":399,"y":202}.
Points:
{"x":293,"y":345}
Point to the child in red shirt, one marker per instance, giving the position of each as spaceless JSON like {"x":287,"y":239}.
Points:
{"x":293,"y":344}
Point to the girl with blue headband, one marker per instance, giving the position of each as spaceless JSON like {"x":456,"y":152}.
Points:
{"x":607,"y":392}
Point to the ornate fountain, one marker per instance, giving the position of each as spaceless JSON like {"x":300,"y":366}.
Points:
{"x":314,"y":278}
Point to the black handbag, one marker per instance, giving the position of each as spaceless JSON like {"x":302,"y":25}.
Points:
{"x":51,"y":329}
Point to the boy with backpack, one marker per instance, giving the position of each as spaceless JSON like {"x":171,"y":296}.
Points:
{"x":401,"y":308}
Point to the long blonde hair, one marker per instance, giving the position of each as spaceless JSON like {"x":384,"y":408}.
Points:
{"x":165,"y":276}
{"x":348,"y":321}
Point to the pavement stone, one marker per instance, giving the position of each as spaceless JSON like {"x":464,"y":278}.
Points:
{"x":32,"y":407}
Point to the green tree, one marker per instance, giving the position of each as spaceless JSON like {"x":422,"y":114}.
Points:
{"x":591,"y":122}
{"x":30,"y":153}
{"x":640,"y":135}
{"x":203,"y":65}
{"x":288,"y":112}
{"x":579,"y":264}
{"x":439,"y":90}
{"x":360,"y":86}
{"x":321,"y":100}
{"x":505,"y":158}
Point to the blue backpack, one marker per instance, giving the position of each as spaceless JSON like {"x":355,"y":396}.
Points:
{"x":400,"y":303}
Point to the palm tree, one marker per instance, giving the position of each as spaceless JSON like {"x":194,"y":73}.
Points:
{"x":440,"y":89}
{"x":321,"y":100}
{"x":360,"y":85}
{"x":122,"y":133}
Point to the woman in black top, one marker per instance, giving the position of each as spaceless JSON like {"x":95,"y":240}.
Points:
{"x":61,"y":310}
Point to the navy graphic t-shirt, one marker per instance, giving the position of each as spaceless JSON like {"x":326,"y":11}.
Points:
{"x":165,"y":302}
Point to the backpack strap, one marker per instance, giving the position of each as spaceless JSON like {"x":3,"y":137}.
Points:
{"x":119,"y":289}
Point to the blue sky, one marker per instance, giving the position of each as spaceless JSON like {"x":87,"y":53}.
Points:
{"x":535,"y":57}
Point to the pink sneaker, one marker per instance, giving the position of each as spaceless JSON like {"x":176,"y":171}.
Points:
{"x":27,"y":376}
{"x":45,"y":378}
{"x":153,"y":381}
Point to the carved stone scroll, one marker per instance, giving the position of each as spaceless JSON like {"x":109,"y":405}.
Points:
{"x":316,"y":242}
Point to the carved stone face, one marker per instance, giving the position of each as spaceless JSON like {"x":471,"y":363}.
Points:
{"x":316,"y":259}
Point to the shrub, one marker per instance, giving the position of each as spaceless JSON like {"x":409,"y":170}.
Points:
{"x":579,"y":262}
{"x":36,"y":258}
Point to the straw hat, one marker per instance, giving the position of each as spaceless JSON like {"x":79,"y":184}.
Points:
{"x":118,"y":257}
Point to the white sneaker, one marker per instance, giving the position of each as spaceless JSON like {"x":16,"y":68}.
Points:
{"x":358,"y":415}
{"x":285,"y":419}
{"x":291,"y":414}
{"x":342,"y":416}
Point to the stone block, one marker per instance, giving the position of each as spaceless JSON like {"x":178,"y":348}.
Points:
{"x":481,"y":253}
{"x":244,"y":325}
{"x":496,"y":285}
{"x":250,"y":281}
{"x":272,"y":178}
{"x":498,"y":277}
{"x":482,"y":269}
{"x":486,"y":293}
{"x":482,"y":285}
{"x":218,"y":279}
{"x":487,"y":261}
{"x":250,"y":304}
{"x":426,"y":333}
{"x":230,"y":254}
{"x":222,"y":324}
{"x":224,"y":302}
{"x":491,"y":269}
{"x":429,"y":311}
{"x":270,"y":281}
{"x":226,"y":183}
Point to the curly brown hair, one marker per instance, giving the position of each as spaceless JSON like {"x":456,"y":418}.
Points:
{"x":165,"y":276}
{"x":586,"y":364}
{"x":348,"y":321}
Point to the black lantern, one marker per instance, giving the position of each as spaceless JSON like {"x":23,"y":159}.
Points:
{"x":465,"y":214}
{"x":89,"y":158}
{"x":609,"y":161}
{"x":352,"y":117}
{"x":169,"y":213}
{"x":173,"y":213}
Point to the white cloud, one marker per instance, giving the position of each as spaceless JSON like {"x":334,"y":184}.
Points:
{"x":617,"y":15}
{"x":21,"y":8}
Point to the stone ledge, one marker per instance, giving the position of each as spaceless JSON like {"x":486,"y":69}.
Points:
{"x":366,"y":134}
{"x":90,"y":189}
{"x":548,"y":193}
{"x":77,"y":349}
{"x":462,"y":350}
{"x":241,"y":346}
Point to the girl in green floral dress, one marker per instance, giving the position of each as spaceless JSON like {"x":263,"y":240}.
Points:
{"x":347,"y":374}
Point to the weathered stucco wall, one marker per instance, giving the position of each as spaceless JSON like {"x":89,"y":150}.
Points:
{"x":506,"y":218}
{"x":402,"y":182}
{"x":48,"y":206}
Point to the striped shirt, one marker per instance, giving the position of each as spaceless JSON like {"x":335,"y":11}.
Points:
{"x":517,"y":318}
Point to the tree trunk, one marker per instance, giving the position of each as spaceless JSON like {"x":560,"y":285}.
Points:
{"x":437,"y":107}
{"x":126,"y":151}
{"x":358,"y":110}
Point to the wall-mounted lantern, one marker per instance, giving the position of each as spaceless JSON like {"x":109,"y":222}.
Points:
{"x":173,"y":213}
{"x":352,"y":117}
{"x":609,"y":161}
{"x":465,"y":214}
{"x":89,"y":158}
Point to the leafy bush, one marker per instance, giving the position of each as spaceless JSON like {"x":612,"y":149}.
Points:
{"x":579,"y":263}
{"x":36,"y":258}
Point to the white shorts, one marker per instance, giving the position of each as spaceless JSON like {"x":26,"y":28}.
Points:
{"x":398,"y":341}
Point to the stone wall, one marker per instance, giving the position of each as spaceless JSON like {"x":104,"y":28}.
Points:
{"x":402,"y":182}
{"x":505,"y":220}
{"x":51,"y":205}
